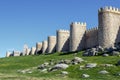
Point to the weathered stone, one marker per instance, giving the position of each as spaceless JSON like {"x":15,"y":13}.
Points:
{"x":67,"y":61}
{"x":85,"y":76}
{"x":46,"y":63}
{"x":92,"y":53}
{"x":99,"y":49}
{"x":51,"y":44}
{"x":43,"y":66}
{"x":77,"y":31}
{"x":64,"y":73}
{"x":115,"y":53}
{"x":91,"y":65}
{"x":62,"y":41}
{"x":29,"y":72}
{"x":44,"y":70}
{"x":77,"y":60}
{"x":86,"y":54}
{"x":106,"y":65}
{"x":59,"y":66}
{"x":74,"y":63}
{"x":81,"y":67}
{"x":61,"y":61}
{"x":105,"y":55}
{"x":109,"y":50}
{"x":103,"y":72}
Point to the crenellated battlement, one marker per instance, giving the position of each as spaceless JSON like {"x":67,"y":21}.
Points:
{"x":52,"y":36}
{"x":79,"y":37}
{"x":78,"y":23}
{"x":39,"y":43}
{"x":109,"y":9}
{"x":63,"y":31}
{"x":92,"y":29}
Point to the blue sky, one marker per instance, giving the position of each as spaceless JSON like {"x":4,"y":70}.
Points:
{"x":30,"y":21}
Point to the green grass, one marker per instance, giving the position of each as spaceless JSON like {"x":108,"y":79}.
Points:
{"x":10,"y":66}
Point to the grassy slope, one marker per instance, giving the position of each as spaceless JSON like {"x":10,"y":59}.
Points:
{"x":9,"y":67}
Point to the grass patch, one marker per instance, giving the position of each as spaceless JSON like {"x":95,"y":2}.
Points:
{"x":9,"y":67}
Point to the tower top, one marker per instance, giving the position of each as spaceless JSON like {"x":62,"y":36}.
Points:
{"x":63,"y":31}
{"x":79,"y":23}
{"x":109,"y":9}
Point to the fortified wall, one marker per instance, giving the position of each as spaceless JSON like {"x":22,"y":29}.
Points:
{"x":77,"y":36}
{"x":38,"y":47}
{"x":91,"y":38}
{"x":44,"y":46}
{"x":62,"y":41}
{"x":106,"y":35}
{"x":51,"y":44}
{"x":109,"y":26}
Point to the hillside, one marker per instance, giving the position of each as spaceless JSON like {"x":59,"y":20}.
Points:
{"x":10,"y":68}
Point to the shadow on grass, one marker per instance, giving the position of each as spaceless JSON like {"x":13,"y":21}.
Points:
{"x":68,"y":53}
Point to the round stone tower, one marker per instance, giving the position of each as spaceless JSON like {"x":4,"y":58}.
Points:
{"x":44,"y":46}
{"x":38,"y":47}
{"x":77,"y":36}
{"x":109,"y":23}
{"x":8,"y":54}
{"x":62,"y":41}
{"x":51,"y":44}
{"x":33,"y":49}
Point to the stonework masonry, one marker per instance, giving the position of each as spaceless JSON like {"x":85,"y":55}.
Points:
{"x":106,"y":35}
{"x":109,"y":26}
{"x":28,"y":51}
{"x":62,"y":41}
{"x":51,"y":44}
{"x":33,"y":49}
{"x":44,"y":46}
{"x":91,"y":38}
{"x":38,"y":47}
{"x":77,"y":36}
{"x":16,"y":53}
{"x":8,"y":54}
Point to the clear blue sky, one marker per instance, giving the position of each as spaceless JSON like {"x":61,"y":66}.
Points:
{"x":30,"y":21}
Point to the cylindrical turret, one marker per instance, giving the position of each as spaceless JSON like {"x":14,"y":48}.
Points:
{"x":8,"y":54}
{"x":77,"y":34}
{"x":33,"y":49}
{"x":109,"y":23}
{"x":44,"y":46}
{"x":16,"y":53}
{"x":51,"y":44}
{"x":62,"y":41}
{"x":38,"y":47}
{"x":25,"y":50}
{"x":28,"y":51}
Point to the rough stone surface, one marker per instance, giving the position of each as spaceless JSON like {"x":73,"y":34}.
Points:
{"x":33,"y":50}
{"x":38,"y":47}
{"x":103,"y":72}
{"x":44,"y":46}
{"x":77,"y":36}
{"x":91,"y":65}
{"x":109,"y":23}
{"x":115,"y":53}
{"x":59,"y":66}
{"x":77,"y":60}
{"x":16,"y":53}
{"x":105,"y":55}
{"x":64,"y":73}
{"x":51,"y":44}
{"x":85,"y":76}
{"x":62,"y":41}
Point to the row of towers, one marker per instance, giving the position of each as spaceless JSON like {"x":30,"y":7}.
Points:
{"x":79,"y":37}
